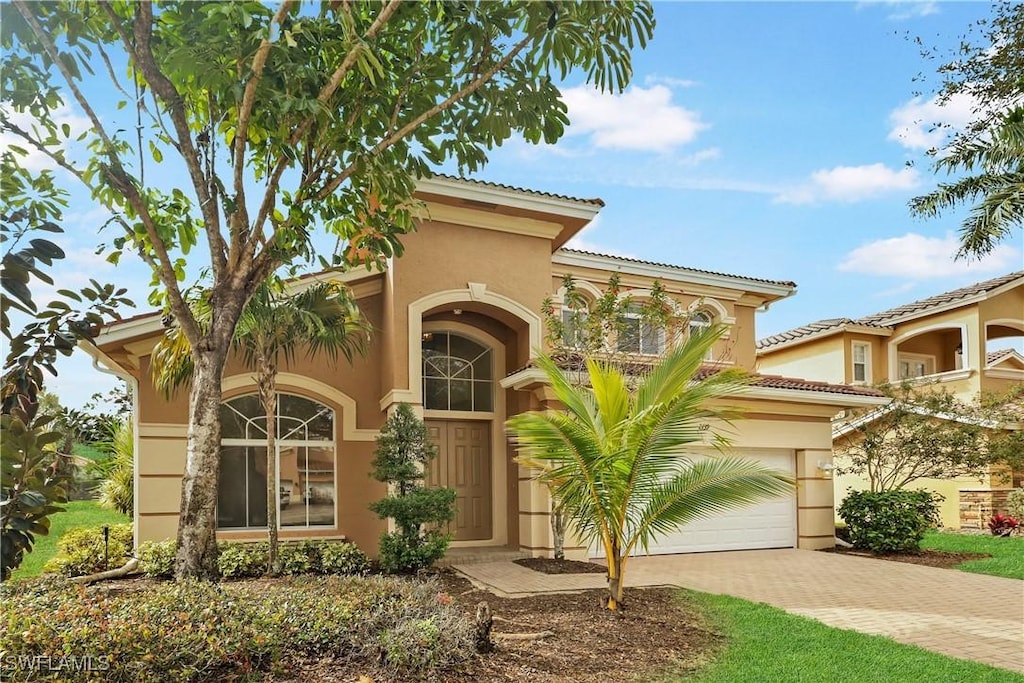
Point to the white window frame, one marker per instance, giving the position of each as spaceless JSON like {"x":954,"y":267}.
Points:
{"x":567,"y":326}
{"x":261,"y":442}
{"x":927,"y":360}
{"x":659,"y":340}
{"x":866,"y":363}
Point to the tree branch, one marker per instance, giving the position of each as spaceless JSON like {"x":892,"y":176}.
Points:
{"x":142,"y":54}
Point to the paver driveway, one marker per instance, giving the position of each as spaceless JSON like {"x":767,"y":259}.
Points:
{"x":970,"y":616}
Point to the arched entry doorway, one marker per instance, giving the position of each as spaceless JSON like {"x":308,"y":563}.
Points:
{"x":458,"y":375}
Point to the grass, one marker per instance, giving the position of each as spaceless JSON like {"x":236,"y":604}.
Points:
{"x":78,"y":513}
{"x":1007,"y":553}
{"x":90,"y":452}
{"x":767,"y":644}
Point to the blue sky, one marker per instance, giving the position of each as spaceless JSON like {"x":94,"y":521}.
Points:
{"x":764,"y":139}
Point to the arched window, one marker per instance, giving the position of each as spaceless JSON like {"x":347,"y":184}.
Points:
{"x":305,"y":463}
{"x":457,"y":373}
{"x":699,"y":321}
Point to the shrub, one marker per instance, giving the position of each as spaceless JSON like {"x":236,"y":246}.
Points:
{"x":1003,"y":525}
{"x":302,"y":557}
{"x":1015,"y":503}
{"x":241,"y":560}
{"x":343,"y":558}
{"x":889,"y":521}
{"x":156,"y":558}
{"x":197,"y":631}
{"x":400,"y":553}
{"x":81,"y":551}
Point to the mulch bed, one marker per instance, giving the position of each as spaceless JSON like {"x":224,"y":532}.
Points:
{"x":654,"y":634}
{"x":547,"y":565}
{"x":930,"y":558}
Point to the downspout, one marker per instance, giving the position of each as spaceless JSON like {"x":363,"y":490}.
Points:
{"x":133,"y":385}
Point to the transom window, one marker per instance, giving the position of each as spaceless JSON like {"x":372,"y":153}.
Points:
{"x":457,"y":373}
{"x":637,"y":336}
{"x":305,"y":461}
{"x":699,"y":321}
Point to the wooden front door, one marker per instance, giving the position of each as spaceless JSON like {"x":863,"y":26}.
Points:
{"x":463,"y":463}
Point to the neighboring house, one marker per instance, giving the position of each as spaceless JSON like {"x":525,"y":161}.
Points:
{"x":457,"y":321}
{"x":939,"y":341}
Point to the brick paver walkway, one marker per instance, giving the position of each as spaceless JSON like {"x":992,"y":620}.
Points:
{"x":970,"y":616}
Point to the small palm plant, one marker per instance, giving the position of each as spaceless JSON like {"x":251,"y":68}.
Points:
{"x":617,"y":461}
{"x":322,"y":318}
{"x":117,"y":470}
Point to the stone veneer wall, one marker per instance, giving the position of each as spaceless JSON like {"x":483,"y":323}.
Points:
{"x":977,"y":506}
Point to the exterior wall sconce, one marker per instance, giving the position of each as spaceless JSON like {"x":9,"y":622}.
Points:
{"x":826,"y":469}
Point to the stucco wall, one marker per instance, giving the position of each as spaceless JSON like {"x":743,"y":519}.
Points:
{"x":822,"y":360}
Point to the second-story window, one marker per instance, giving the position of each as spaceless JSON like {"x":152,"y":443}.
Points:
{"x":573,"y":327}
{"x":861,"y":362}
{"x":635,"y":335}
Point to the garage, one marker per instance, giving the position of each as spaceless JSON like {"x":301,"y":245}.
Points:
{"x":767,"y":525}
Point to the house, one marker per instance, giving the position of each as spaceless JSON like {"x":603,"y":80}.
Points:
{"x":942,"y":341}
{"x":457,"y":320}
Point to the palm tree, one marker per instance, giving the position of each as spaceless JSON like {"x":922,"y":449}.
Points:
{"x":322,"y":318}
{"x":998,"y":157}
{"x":117,"y":470}
{"x":616,"y":458}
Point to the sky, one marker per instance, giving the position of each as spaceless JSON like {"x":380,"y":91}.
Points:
{"x":773,"y":140}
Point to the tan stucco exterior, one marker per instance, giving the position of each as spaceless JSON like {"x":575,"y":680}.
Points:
{"x":931,"y":336}
{"x":480,"y":270}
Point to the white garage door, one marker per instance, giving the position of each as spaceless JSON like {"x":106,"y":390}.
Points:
{"x":766,"y":525}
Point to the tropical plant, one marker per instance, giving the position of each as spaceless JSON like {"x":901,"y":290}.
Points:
{"x":287,"y":120}
{"x":420,"y":513}
{"x":117,"y":470}
{"x":619,"y":460}
{"x":985,"y":71}
{"x":321,"y":318}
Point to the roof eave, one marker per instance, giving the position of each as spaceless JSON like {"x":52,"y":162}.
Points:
{"x":506,"y":197}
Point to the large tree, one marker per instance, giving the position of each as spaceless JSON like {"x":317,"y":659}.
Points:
{"x":284,"y":120}
{"x":987,"y":155}
{"x":621,"y":462}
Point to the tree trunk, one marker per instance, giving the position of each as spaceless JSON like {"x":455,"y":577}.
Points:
{"x":558,"y":531}
{"x":616,"y":585}
{"x":265,"y":379}
{"x":196,"y":555}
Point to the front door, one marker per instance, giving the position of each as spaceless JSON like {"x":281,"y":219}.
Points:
{"x":463,"y":463}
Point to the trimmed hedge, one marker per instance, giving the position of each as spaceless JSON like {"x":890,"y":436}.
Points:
{"x":238,"y":560}
{"x":196,"y":631}
{"x":890,"y":521}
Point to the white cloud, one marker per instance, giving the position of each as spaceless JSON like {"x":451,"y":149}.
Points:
{"x":919,"y":257}
{"x":901,"y":10}
{"x":670,"y":81}
{"x":850,"y":184}
{"x":35,"y":160}
{"x":925,"y":124}
{"x":583,"y":240}
{"x":642,"y":119}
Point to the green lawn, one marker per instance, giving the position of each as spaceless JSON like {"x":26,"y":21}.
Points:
{"x":78,"y":513}
{"x":767,"y":644}
{"x":1007,"y":553}
{"x":86,"y":451}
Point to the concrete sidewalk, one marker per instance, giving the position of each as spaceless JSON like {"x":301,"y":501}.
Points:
{"x":969,"y":616}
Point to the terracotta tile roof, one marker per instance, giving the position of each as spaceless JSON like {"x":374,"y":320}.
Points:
{"x":992,"y":356}
{"x":636,"y":366}
{"x":683,"y":269}
{"x":885,"y":319}
{"x":596,"y":201}
{"x":941,"y":299}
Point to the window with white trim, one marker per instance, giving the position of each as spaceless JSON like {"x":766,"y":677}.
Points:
{"x":861,"y":362}
{"x":305,"y":461}
{"x":915,"y":365}
{"x":574,"y":321}
{"x":635,"y":335}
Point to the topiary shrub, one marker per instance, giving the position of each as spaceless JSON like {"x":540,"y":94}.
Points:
{"x":889,"y":521}
{"x":156,"y":558}
{"x":81,"y":551}
{"x":421,"y":514}
{"x":343,"y":558}
{"x":242,"y":560}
